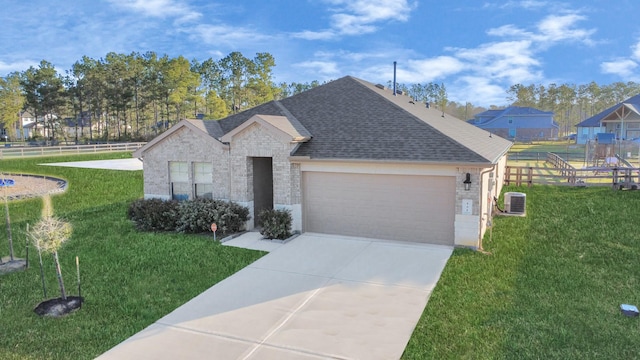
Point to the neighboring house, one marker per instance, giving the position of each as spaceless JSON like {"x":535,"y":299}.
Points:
{"x":622,"y":119}
{"x":28,"y":127}
{"x":24,"y":127}
{"x":81,"y":126}
{"x":347,"y":157}
{"x":518,"y":123}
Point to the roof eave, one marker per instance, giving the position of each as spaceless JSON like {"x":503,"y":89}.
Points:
{"x":487,"y":164}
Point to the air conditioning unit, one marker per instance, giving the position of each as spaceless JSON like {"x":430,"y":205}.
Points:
{"x":515,"y":203}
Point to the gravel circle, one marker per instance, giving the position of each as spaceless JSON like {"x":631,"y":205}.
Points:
{"x":27,"y":186}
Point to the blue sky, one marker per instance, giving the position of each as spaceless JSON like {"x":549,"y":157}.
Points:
{"x":476,"y":48}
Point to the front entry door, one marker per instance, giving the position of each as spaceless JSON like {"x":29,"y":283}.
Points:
{"x":262,"y":186}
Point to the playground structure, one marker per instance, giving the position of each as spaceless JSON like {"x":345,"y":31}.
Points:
{"x":607,"y":152}
{"x":601,"y":152}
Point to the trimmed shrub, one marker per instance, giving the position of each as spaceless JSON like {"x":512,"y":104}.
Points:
{"x":276,"y":223}
{"x":196,"y":216}
{"x":232,"y":218}
{"x":154,"y":214}
{"x":190,"y":216}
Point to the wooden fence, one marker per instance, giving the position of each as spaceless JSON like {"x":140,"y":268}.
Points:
{"x":24,"y":151}
{"x":542,"y":156}
{"x":618,"y":178}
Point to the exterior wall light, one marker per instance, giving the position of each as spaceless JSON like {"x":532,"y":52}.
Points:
{"x":467,"y":182}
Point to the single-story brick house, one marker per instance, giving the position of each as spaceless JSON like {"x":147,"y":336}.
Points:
{"x":518,"y":123}
{"x":347,"y":157}
{"x":622,"y":119}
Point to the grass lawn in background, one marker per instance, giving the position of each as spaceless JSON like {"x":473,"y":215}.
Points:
{"x":129,"y":279}
{"x":558,"y":147}
{"x":551,"y":288}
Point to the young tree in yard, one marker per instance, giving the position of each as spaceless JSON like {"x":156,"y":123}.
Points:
{"x":48,"y":235}
{"x":7,"y":219}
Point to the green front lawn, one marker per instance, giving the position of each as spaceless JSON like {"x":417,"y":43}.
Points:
{"x":129,"y":279}
{"x":551,"y":288}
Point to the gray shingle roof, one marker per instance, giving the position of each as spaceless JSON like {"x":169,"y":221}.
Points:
{"x":352,"y":119}
{"x":594,"y":121}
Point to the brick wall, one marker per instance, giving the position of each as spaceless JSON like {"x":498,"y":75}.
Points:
{"x":188,"y":146}
{"x":232,"y":166}
{"x":254,"y":141}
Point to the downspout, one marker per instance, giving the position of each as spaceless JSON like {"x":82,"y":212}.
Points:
{"x":488,"y":211}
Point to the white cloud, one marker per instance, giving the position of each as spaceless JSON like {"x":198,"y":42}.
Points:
{"x":314,"y":35}
{"x":509,"y":31}
{"x":160,"y":8}
{"x":533,"y":4}
{"x":325,"y":68}
{"x":635,"y":51}
{"x":428,"y":70}
{"x":357,"y":17}
{"x":22,"y":65}
{"x":557,"y":28}
{"x":524,"y":4}
{"x":624,"y":67}
{"x":511,"y":61}
{"x":353,"y":56}
{"x":478,"y":90}
{"x":551,"y":30}
{"x":226,"y":35}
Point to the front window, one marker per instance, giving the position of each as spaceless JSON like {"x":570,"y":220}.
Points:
{"x":203,"y":180}
{"x":179,"y":178}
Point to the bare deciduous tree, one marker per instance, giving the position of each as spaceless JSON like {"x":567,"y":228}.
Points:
{"x":49,"y":234}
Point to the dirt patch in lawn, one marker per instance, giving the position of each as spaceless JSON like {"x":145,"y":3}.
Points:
{"x":8,"y":266}
{"x":27,"y":186}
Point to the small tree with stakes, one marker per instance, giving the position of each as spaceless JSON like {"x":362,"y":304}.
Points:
{"x":5,"y":184}
{"x":48,"y":235}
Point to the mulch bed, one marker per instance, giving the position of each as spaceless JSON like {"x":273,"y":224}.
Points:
{"x":59,"y":307}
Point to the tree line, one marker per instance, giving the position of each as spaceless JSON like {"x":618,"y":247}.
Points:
{"x":135,"y":96}
{"x":570,"y":103}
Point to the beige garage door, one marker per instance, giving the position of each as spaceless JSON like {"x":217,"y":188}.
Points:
{"x":401,"y":207}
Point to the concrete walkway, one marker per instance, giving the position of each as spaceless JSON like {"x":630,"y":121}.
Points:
{"x":316,"y":297}
{"x":115,"y":164}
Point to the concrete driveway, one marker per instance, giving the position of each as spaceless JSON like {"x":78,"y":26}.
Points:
{"x":316,"y":297}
